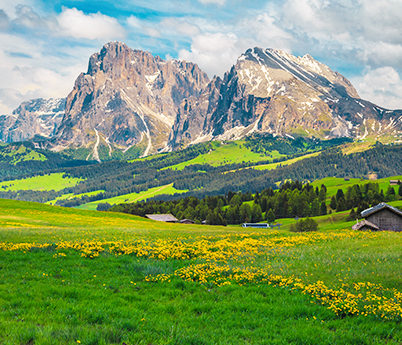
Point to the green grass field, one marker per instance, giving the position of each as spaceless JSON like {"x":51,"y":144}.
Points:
{"x":134,"y":197}
{"x":47,"y":182}
{"x":230,"y":152}
{"x":272,"y":166}
{"x":21,"y":153}
{"x":71,"y":276}
{"x":334,"y":183}
{"x":72,"y":196}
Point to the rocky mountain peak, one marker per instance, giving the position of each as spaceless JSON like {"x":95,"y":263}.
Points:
{"x":269,"y":90}
{"x":127,"y":98}
{"x":35,"y":117}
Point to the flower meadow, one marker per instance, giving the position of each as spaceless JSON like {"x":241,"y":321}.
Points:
{"x":245,"y":259}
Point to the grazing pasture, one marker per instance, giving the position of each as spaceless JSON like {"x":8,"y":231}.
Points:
{"x":72,"y":276}
{"x":55,"y":181}
{"x":134,"y":197}
{"x":231,"y":152}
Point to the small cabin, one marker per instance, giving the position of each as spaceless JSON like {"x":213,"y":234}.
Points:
{"x":256,"y":225}
{"x":384,"y":217}
{"x":394,"y":182}
{"x":168,"y":218}
{"x":186,"y":221}
{"x":365,"y":225}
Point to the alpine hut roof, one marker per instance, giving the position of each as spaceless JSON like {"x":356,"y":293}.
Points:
{"x":379,"y":207}
{"x":365,"y":224}
{"x":162,"y":217}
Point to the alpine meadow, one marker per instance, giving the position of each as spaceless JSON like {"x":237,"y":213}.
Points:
{"x":201,"y":172}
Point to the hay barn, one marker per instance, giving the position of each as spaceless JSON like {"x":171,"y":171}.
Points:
{"x":384,"y":216}
{"x":162,"y":218}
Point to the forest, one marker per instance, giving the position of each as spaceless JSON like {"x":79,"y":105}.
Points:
{"x":116,"y":178}
{"x":293,"y":199}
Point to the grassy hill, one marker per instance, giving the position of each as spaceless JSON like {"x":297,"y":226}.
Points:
{"x":74,"y":276}
{"x":55,"y":181}
{"x":333,"y":183}
{"x":134,"y":197}
{"x":231,"y":152}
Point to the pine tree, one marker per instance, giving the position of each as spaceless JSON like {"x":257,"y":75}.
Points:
{"x":341,"y":205}
{"x":315,"y":208}
{"x":333,"y":204}
{"x":323,"y":209}
{"x":270,"y":217}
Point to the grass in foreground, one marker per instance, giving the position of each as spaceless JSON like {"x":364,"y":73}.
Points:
{"x":100,"y":278}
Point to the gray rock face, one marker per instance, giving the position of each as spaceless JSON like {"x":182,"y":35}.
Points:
{"x":127,"y":97}
{"x":275,"y":92}
{"x":35,"y":117}
{"x":130,"y":98}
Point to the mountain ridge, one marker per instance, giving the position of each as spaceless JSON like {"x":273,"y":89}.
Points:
{"x":130,"y":101}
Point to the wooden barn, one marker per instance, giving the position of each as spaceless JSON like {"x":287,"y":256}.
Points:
{"x":162,"y":218}
{"x":365,"y":225}
{"x":186,"y":221}
{"x":382,"y":216}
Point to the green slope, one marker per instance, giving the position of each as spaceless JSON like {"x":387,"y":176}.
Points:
{"x":56,"y":181}
{"x":134,"y":197}
{"x":83,"y":277}
{"x":231,"y":152}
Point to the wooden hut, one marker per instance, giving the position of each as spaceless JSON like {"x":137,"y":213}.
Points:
{"x":162,"y":218}
{"x":384,"y":216}
{"x":186,"y":221}
{"x":365,"y":225}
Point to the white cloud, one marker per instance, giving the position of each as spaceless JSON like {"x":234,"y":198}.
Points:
{"x":4,"y":21}
{"x":382,"y":86}
{"x":176,"y":26}
{"x":76,"y":24}
{"x":28,"y":18}
{"x":263,"y":30}
{"x":216,"y":2}
{"x":213,"y":52}
{"x":144,"y":26}
{"x":28,"y":70}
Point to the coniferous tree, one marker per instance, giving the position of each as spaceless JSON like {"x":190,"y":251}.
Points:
{"x":340,"y":195}
{"x":323,"y":209}
{"x":341,"y":205}
{"x":270,"y":217}
{"x":315,"y":208}
{"x":333,"y":204}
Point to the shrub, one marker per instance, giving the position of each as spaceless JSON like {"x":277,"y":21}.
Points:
{"x":304,"y":225}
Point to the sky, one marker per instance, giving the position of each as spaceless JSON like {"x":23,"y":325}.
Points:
{"x":45,"y":45}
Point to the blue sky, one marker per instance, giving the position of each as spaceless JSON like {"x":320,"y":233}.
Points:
{"x":44,"y":45}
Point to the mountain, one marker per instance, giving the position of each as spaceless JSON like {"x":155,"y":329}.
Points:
{"x":127,"y":98}
{"x":268,"y":90}
{"x":35,"y":117}
{"x":130,"y":104}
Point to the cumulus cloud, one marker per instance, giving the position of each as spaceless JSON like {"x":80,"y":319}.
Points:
{"x":213,"y":52}
{"x":358,"y":26}
{"x":76,"y":24}
{"x":28,"y":18}
{"x":382,"y":86}
{"x":217,"y":45}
